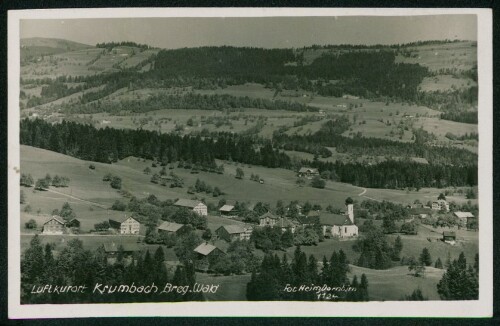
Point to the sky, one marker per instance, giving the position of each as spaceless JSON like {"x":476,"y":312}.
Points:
{"x":266,"y":32}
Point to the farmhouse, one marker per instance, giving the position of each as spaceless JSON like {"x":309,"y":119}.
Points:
{"x":194,"y":205}
{"x":233,"y":232}
{"x":172,"y":228}
{"x":271,"y":220}
{"x":132,"y":226}
{"x":227,"y":211}
{"x":55,"y":225}
{"x":205,"y":253}
{"x":268,"y":219}
{"x":463,"y":218}
{"x":449,"y":236}
{"x":441,"y":204}
{"x":308,"y":172}
{"x":111,"y":249}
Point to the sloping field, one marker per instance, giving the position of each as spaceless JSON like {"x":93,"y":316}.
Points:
{"x":90,"y":196}
{"x":394,"y":283}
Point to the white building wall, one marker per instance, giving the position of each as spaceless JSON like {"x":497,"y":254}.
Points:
{"x":201,"y":209}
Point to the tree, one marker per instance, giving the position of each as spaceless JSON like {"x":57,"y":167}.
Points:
{"x":116,"y":182}
{"x":239,"y":173}
{"x":207,"y":235}
{"x":416,"y":267}
{"x":459,"y":282}
{"x":118,"y":205}
{"x":425,"y":257}
{"x":217,"y":192}
{"x":409,"y":228}
{"x":147,"y":170}
{"x":398,"y":247}
{"x":438,"y":264}
{"x":363,"y":288}
{"x":42,"y":184}
{"x":67,"y":212}
{"x":416,"y":295}
{"x":31,"y":224}
{"x":441,"y":196}
{"x":317,"y":182}
{"x":26,"y":180}
{"x":155,"y":178}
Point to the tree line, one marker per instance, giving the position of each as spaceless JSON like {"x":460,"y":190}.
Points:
{"x":278,"y":277}
{"x":77,"y":265}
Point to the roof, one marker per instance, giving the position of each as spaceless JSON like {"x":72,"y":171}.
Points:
{"x":187,"y":203}
{"x":308,"y":219}
{"x":170,"y":226}
{"x":226,"y":208}
{"x":205,"y":249}
{"x":233,"y":229}
{"x":57,"y":218}
{"x":113,"y":247}
{"x":334,"y":219}
{"x":440,"y":201}
{"x":305,"y":169}
{"x":449,"y":234}
{"x":285,"y":223}
{"x":313,"y":214}
{"x":463,"y":214}
{"x":268,"y":214}
{"x":126,"y":218}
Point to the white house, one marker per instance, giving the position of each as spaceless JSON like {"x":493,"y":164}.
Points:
{"x":194,"y":205}
{"x":55,"y":225}
{"x":441,"y":205}
{"x":132,"y":226}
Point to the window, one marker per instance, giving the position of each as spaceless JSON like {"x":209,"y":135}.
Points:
{"x":345,"y":229}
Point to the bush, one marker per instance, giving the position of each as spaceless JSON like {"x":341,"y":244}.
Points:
{"x":30,"y":225}
{"x":116,"y":183}
{"x":317,"y":182}
{"x":92,"y":166}
{"x":119,"y":206}
{"x":103,"y":226}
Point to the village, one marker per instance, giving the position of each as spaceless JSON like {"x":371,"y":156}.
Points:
{"x":340,"y":225}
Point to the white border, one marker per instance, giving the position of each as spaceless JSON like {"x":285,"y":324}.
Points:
{"x":480,"y":308}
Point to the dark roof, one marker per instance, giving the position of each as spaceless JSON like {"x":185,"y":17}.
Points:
{"x":308,"y":220}
{"x":113,"y":247}
{"x":334,"y":219}
{"x":233,"y":229}
{"x":187,"y":203}
{"x":114,"y":224}
{"x":449,"y":234}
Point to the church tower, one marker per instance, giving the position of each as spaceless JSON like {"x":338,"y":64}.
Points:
{"x":349,"y":203}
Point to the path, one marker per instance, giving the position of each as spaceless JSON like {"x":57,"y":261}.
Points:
{"x":76,"y":198}
{"x":362,"y":194}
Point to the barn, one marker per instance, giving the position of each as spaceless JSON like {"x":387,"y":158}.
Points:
{"x":205,"y":254}
{"x":308,"y":172}
{"x":233,"y":232}
{"x":172,"y":228}
{"x":194,"y":205}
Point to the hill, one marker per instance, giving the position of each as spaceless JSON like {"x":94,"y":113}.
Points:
{"x":36,"y":47}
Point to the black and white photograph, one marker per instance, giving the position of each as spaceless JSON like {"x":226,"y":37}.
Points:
{"x":250,"y":162}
